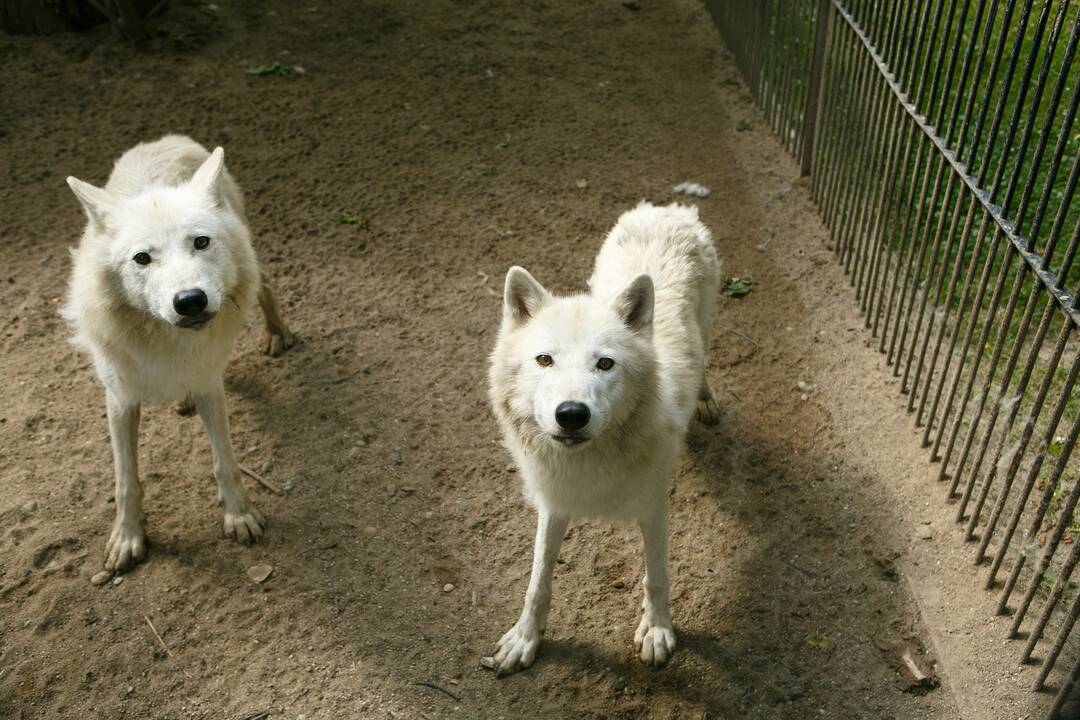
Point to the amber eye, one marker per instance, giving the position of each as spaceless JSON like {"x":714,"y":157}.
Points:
{"x":202,"y":242}
{"x":605,"y":363}
{"x":142,"y":258}
{"x":544,"y":360}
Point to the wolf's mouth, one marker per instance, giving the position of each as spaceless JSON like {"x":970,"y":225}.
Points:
{"x":195,"y":323}
{"x":569,"y":440}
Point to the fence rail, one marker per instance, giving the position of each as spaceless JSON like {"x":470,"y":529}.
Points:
{"x":940,"y":141}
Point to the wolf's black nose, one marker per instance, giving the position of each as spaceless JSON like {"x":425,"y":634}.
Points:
{"x":189,"y":303}
{"x":572,"y":415}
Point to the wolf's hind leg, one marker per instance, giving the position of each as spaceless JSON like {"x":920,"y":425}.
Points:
{"x":277,"y":338}
{"x":708,"y":410}
{"x":127,"y":543}
{"x":243,"y":521}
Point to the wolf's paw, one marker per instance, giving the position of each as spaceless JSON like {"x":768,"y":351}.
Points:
{"x":186,"y":407}
{"x":277,"y":341}
{"x":126,"y":546}
{"x":244,"y":523}
{"x":655,"y":642}
{"x":708,"y":411}
{"x":516,"y":650}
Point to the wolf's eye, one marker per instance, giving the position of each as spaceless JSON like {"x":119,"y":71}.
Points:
{"x":143,"y":258}
{"x":202,"y":242}
{"x":544,"y":360}
{"x":605,"y":363}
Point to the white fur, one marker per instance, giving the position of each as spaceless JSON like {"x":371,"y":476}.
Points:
{"x":650,"y":311}
{"x":159,"y":198}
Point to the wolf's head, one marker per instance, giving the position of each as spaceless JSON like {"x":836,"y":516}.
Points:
{"x":169,"y":249}
{"x":569,"y":371}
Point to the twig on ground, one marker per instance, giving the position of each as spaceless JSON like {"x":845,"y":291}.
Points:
{"x":745,"y":337}
{"x":262,"y":481}
{"x":441,"y":689}
{"x":261,"y":715}
{"x":157,"y":635}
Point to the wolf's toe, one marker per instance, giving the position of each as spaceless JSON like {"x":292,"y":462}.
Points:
{"x":275,"y":343}
{"x":655,"y":643}
{"x":516,"y":651}
{"x":708,"y":411}
{"x":124,"y":549}
{"x":244,"y":527}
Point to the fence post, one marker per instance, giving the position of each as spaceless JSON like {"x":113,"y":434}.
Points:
{"x":817,"y":75}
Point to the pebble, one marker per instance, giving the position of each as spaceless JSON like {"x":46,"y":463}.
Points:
{"x":117,"y":580}
{"x":101,"y":578}
{"x":30,"y":506}
{"x":448,"y":587}
{"x":924,"y":533}
{"x":259,"y":573}
{"x":266,"y":467}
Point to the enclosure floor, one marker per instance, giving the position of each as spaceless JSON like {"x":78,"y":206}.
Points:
{"x":462,"y":132}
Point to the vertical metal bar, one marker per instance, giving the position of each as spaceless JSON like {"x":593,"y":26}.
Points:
{"x":817,"y":72}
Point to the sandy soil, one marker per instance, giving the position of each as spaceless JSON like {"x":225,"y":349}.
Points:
{"x":461,"y":132}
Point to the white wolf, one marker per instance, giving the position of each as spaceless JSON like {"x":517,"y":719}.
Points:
{"x":594,"y":393}
{"x":163,"y":278}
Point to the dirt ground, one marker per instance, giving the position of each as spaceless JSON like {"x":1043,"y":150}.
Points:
{"x":469,"y":136}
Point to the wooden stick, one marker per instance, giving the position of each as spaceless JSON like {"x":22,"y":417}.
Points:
{"x":433,"y":686}
{"x":262,"y":481}
{"x":157,"y":635}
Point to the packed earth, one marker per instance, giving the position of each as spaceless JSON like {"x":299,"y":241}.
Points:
{"x":396,"y":159}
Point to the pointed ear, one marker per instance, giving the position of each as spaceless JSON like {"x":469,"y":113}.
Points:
{"x":97,"y":202}
{"x":635,"y":304}
{"x":522,"y":295}
{"x":207,"y":178}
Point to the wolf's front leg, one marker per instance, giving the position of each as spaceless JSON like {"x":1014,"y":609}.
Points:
{"x":127,"y":544}
{"x":277,"y":338}
{"x":517,"y":648}
{"x":243,"y":521}
{"x":655,"y":636}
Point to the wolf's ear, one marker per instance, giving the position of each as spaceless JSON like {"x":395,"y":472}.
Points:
{"x":635,"y":304}
{"x":97,"y":202}
{"x":522,"y":295}
{"x":207,"y":178}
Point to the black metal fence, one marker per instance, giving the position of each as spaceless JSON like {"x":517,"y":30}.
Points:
{"x":940,"y":141}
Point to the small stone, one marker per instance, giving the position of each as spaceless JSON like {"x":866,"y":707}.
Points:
{"x":448,"y":587}
{"x":804,"y":387}
{"x":582,"y":183}
{"x":117,"y":580}
{"x":487,"y":662}
{"x":101,"y":578}
{"x":130,"y":689}
{"x":429,"y":515}
{"x":30,"y":507}
{"x":924,"y":533}
{"x":371,"y":530}
{"x":259,"y":573}
{"x":266,"y":467}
